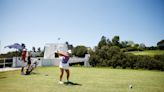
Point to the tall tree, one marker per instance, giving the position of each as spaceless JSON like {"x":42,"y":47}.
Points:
{"x":160,"y":44}
{"x":142,"y":46}
{"x":109,"y":43}
{"x":124,"y":44}
{"x":33,"y":49}
{"x":80,"y":51}
{"x":39,"y":50}
{"x":67,"y":43}
{"x":115,"y":40}
{"x":102,"y":42}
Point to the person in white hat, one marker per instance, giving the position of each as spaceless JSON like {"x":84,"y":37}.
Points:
{"x":23,"y":59}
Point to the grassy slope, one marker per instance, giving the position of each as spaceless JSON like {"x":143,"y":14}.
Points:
{"x":91,"y":80}
{"x":148,"y":52}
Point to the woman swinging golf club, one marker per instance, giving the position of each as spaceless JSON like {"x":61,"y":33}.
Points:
{"x":64,"y":65}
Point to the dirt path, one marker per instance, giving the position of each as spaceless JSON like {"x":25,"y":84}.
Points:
{"x":8,"y":69}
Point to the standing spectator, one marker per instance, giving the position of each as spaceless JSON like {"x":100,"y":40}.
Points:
{"x":23,"y":58}
{"x":29,"y":68}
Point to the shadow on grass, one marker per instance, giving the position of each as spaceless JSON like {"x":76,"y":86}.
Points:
{"x":33,"y":73}
{"x":72,"y":84}
{"x":2,"y":77}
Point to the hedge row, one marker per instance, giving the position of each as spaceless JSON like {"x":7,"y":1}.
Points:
{"x":113,"y":56}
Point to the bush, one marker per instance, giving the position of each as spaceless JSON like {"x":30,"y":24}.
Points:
{"x":94,"y":59}
{"x":131,"y":49}
{"x":147,"y":62}
{"x":112,"y":56}
{"x":79,"y":51}
{"x":131,"y":60}
{"x":159,"y":57}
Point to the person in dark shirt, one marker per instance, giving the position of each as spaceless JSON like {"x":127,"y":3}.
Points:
{"x":29,"y":68}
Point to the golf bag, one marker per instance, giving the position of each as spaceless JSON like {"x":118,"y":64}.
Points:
{"x":31,"y":68}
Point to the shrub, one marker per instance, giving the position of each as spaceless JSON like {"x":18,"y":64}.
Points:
{"x":94,"y":60}
{"x":79,"y":51}
{"x":159,"y":57}
{"x":131,"y":60}
{"x":114,"y":57}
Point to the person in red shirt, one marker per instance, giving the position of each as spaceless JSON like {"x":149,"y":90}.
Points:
{"x":23,"y":59}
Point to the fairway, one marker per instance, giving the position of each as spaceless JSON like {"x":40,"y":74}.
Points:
{"x":45,"y":79}
{"x":148,"y":52}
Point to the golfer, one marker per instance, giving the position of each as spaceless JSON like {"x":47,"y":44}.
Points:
{"x":64,"y":65}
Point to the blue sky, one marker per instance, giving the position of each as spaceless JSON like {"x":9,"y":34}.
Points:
{"x":80,"y":22}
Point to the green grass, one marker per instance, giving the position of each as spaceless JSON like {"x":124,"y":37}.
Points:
{"x":91,"y":80}
{"x":148,"y":52}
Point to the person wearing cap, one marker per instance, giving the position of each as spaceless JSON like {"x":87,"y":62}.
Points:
{"x":23,"y":58}
{"x":63,"y":65}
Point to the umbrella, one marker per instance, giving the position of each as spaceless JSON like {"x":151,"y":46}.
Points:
{"x":15,"y":46}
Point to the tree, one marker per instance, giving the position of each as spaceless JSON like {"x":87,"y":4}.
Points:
{"x":69,"y":46}
{"x":124,"y":44}
{"x":109,"y":43}
{"x":142,"y":46}
{"x":94,"y":60}
{"x":160,"y":44}
{"x":102,"y":42}
{"x":130,"y":43}
{"x":80,"y":51}
{"x":136,"y":45}
{"x":10,"y":54}
{"x":33,"y":49}
{"x":115,"y":40}
{"x":39,"y":50}
{"x":67,"y":43}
